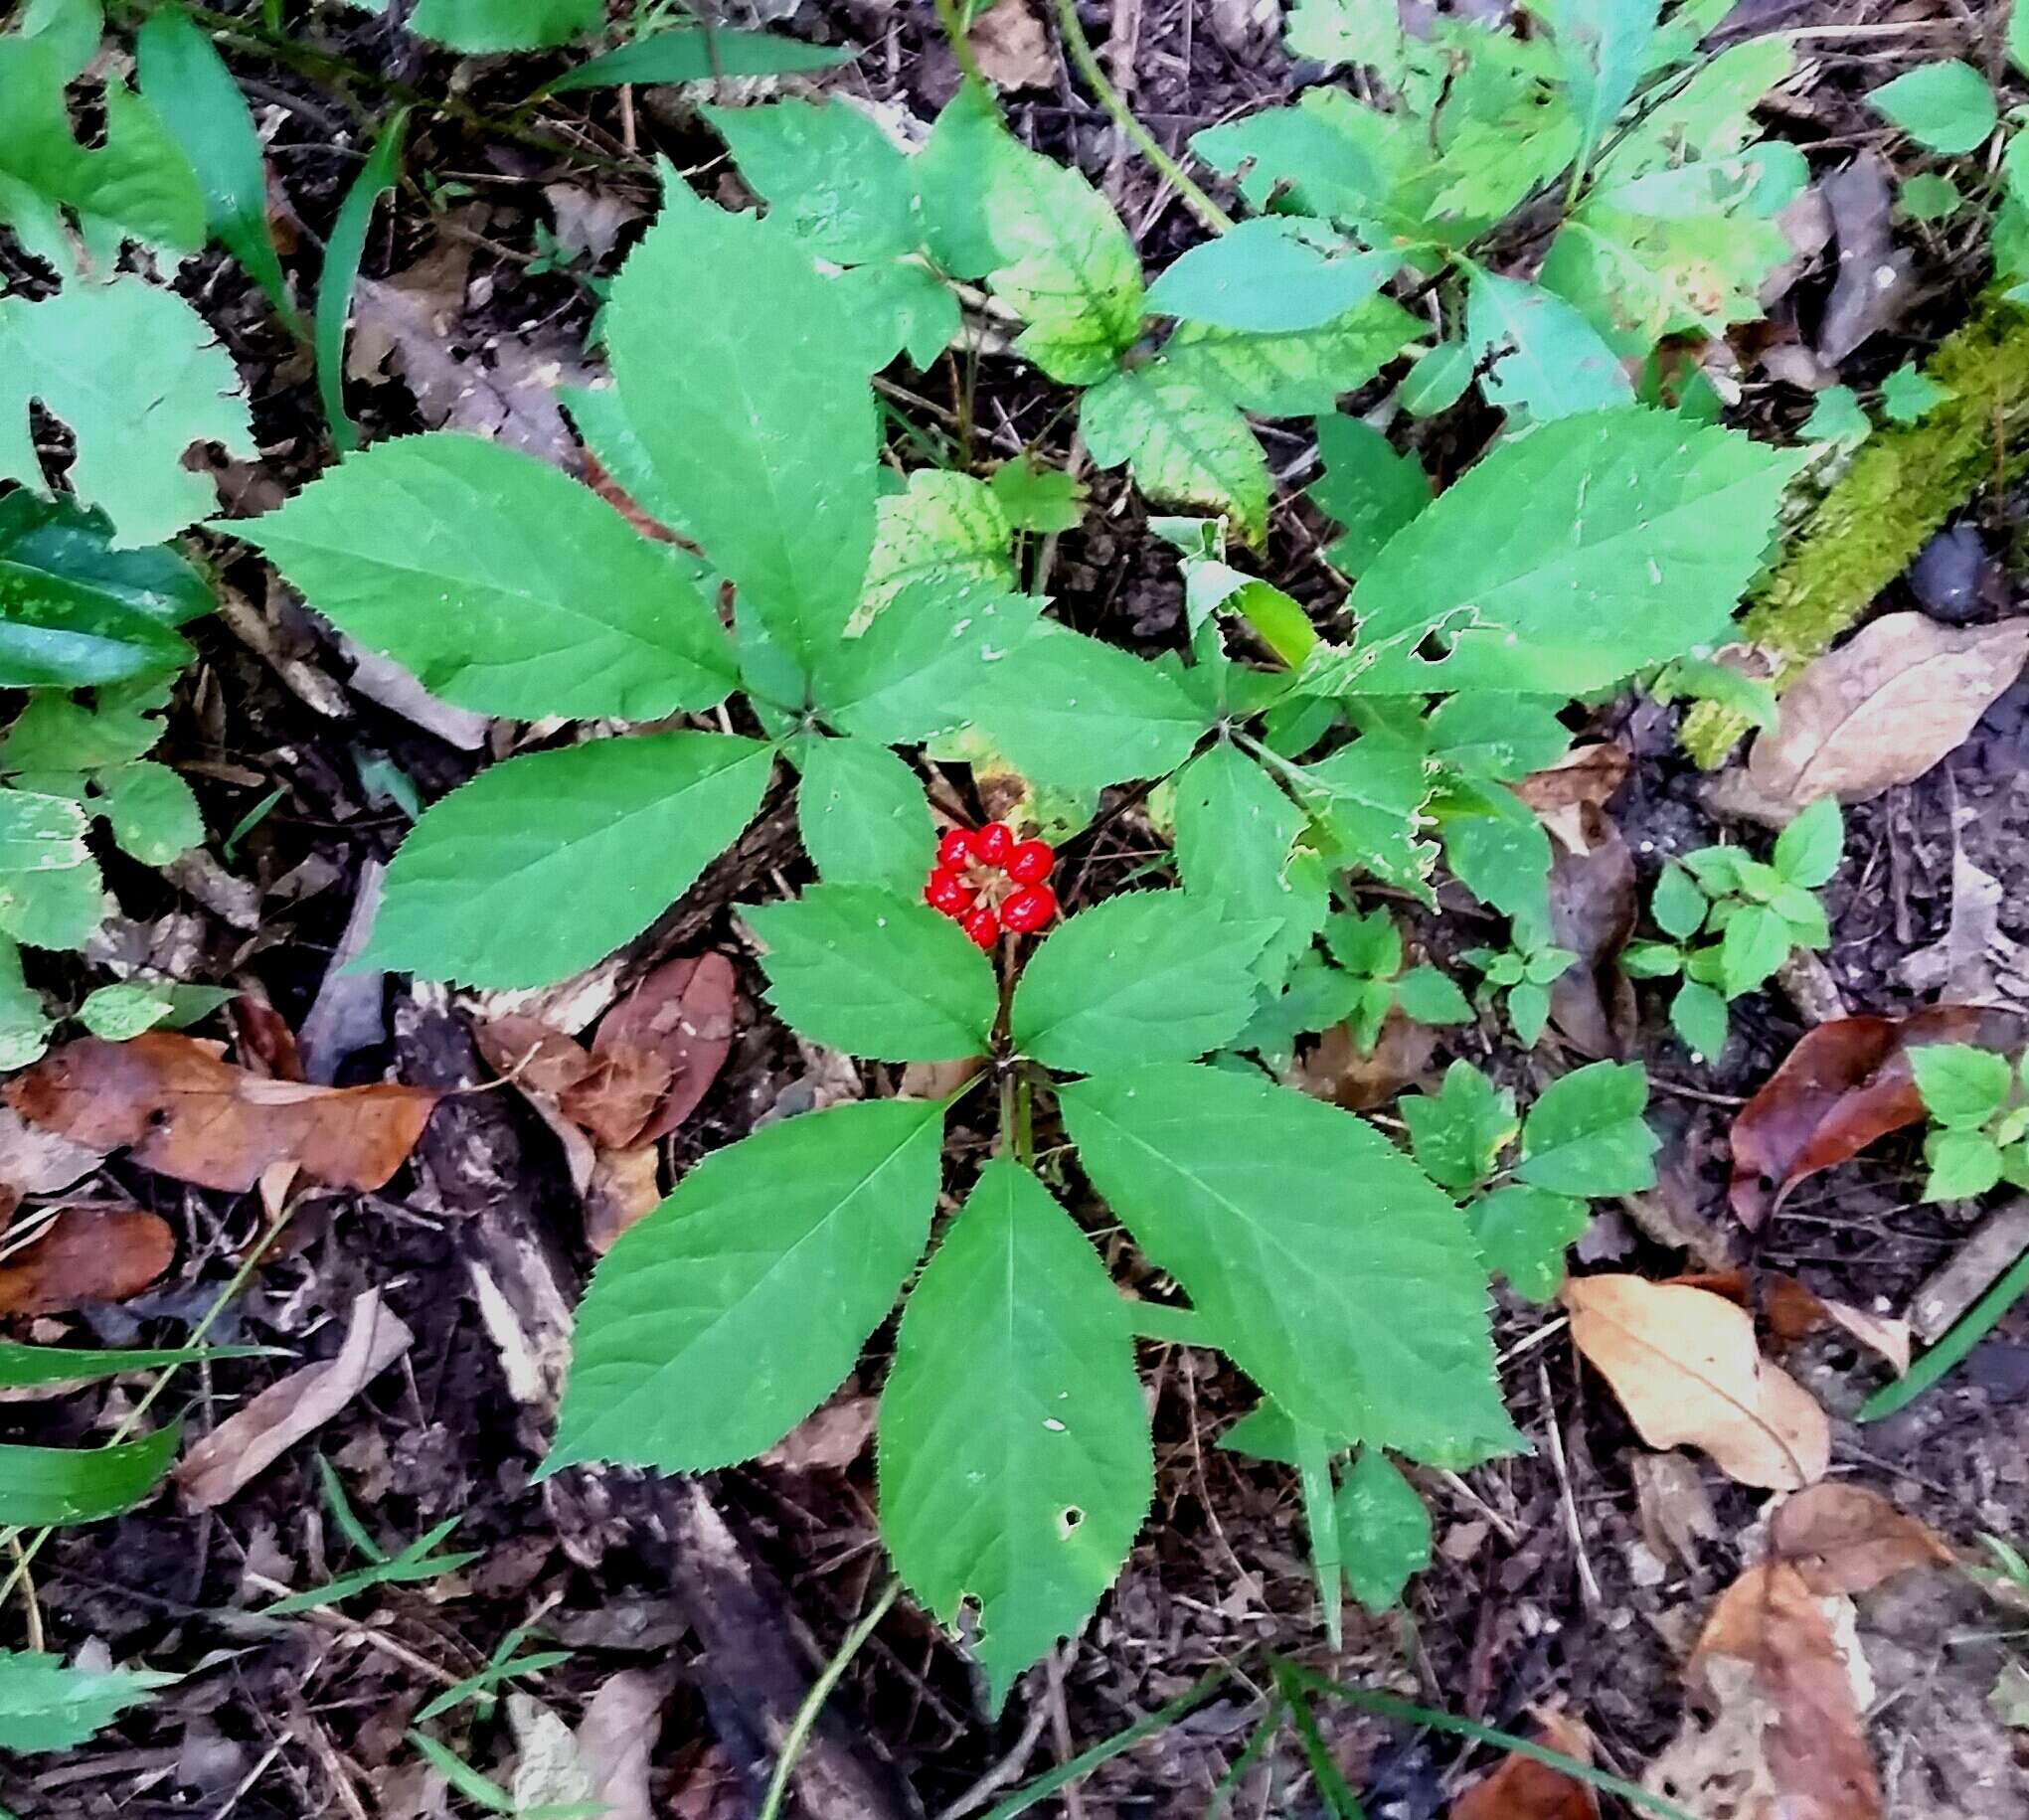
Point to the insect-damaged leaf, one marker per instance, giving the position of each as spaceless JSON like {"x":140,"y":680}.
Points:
{"x":1014,"y":1453}
{"x":188,"y":1114}
{"x":1844,"y":1084}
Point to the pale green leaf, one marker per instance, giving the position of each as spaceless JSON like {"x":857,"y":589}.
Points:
{"x":1678,"y":904}
{"x":1570,"y":558}
{"x":1528,"y":1011}
{"x":1808,"y":851}
{"x":865,"y":970}
{"x":1585,"y":1135}
{"x":862,"y":815}
{"x":1366,"y":32}
{"x":25,"y":1024}
{"x":1438,"y":381}
{"x":151,"y":811}
{"x":505,"y":25}
{"x":1370,"y":800}
{"x":1946,"y":107}
{"x":690,"y":53}
{"x":1522,"y":1232}
{"x":1458,"y":1134}
{"x":763,"y":427}
{"x":120,"y":1012}
{"x":55,"y":732}
{"x":897,"y":306}
{"x":1038,"y":498}
{"x":1698,"y":1016}
{"x":501,"y":583}
{"x":1548,"y":361}
{"x":138,"y":377}
{"x":1756,"y":941}
{"x":1964,"y":1165}
{"x":47,"y":1706}
{"x":1367,"y":488}
{"x":1930,"y":197}
{"x":73,"y":611}
{"x":1236,"y":852}
{"x":1183,"y":443}
{"x":1383,"y":1531}
{"x":1293,"y":373}
{"x":1269,"y":275}
{"x":827,"y":173}
{"x":733,"y":1310}
{"x":1707,"y":116}
{"x":546,"y":863}
{"x":1908,"y":395}
{"x":945,"y":528}
{"x":1961,"y":1086}
{"x":1067,"y":710}
{"x":50,"y":891}
{"x":1014,"y":1464}
{"x":1145,"y":976}
{"x":1318,"y":1256}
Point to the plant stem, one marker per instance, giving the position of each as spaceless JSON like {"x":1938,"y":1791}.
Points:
{"x":961,"y":46}
{"x":1965,"y":1334}
{"x":1079,"y":50}
{"x":820,"y":1689}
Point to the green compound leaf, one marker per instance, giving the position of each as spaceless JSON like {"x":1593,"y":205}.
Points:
{"x":546,"y":863}
{"x":1522,"y":1232}
{"x":48,"y":1705}
{"x":134,"y":372}
{"x":1369,"y":490}
{"x":1184,"y":445}
{"x":151,"y":811}
{"x":1048,"y":243}
{"x":927,"y":658}
{"x":1961,"y":1086}
{"x":1383,"y":1531}
{"x":1585,"y":1135}
{"x":1236,"y":851}
{"x":504,"y":585}
{"x":828,"y":174}
{"x":945,"y":528}
{"x":725,"y":1317}
{"x":862,"y":815}
{"x":73,"y":611}
{"x":1946,"y":107}
{"x":1458,"y":1133}
{"x":1014,"y":1455}
{"x":863,"y":969}
{"x":1148,"y":976}
{"x":1269,"y":275}
{"x":762,"y":433}
{"x":1070,"y":711}
{"x":504,"y":25}
{"x":57,"y":1486}
{"x":1318,"y":1255}
{"x":187,"y":83}
{"x":1548,"y":360}
{"x":1293,"y":373}
{"x":690,"y":54}
{"x":25,"y":1024}
{"x":1571,"y":558}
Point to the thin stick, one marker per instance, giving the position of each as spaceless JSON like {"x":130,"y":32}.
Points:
{"x":820,"y":1689}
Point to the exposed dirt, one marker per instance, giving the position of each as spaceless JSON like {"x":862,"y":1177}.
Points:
{"x":1549,"y":1585}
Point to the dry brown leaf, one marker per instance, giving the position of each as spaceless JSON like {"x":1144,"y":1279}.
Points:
{"x":36,"y":1161}
{"x":622,"y":1188}
{"x":937,"y":1080}
{"x":1684,"y":1364}
{"x":1336,"y":1071}
{"x":1792,"y":1312}
{"x":531,"y":1053}
{"x":1011,"y":46}
{"x":248,"y":1443}
{"x":1846,"y":1538}
{"x":1524,"y":1789}
{"x":1883,"y":708}
{"x":186,"y":1113}
{"x":1672,"y":1506}
{"x":264,"y":1038}
{"x":616,"y":1101}
{"x":682,"y":1015}
{"x":1786,"y":1741}
{"x":1587,"y":775}
{"x":90,"y":1255}
{"x":833,"y":1437}
{"x":617,"y":1735}
{"x":1592,"y":913}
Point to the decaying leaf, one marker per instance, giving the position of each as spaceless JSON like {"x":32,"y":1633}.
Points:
{"x":36,"y":1161}
{"x":1883,"y":708}
{"x":830,"y":1438}
{"x":1843,"y":1538}
{"x":186,"y":1113}
{"x":1672,"y":1507}
{"x":616,"y":1739}
{"x":248,"y":1443}
{"x":1011,"y":48}
{"x":90,"y":1255}
{"x":1524,"y":1789}
{"x":1584,"y":777}
{"x":1791,"y":1312}
{"x":1684,"y":1364}
{"x":1843,"y":1085}
{"x":1592,"y":913}
{"x":682,"y":1015}
{"x":622,"y":1188}
{"x":1336,"y":1071}
{"x":1784,"y":1739}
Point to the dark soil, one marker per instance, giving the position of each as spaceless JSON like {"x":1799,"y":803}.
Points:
{"x":1547,"y":1587}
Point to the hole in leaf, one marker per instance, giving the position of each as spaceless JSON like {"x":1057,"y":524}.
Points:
{"x":1068,"y":1519}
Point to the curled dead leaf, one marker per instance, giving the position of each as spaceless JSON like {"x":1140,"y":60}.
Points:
{"x":1592,"y":913}
{"x":186,"y":1113}
{"x":1847,"y":1538}
{"x":1524,"y":1789}
{"x":1685,"y":1366}
{"x":1584,"y":777}
{"x":1883,"y":708}
{"x":1011,"y":48}
{"x":1336,"y":1071}
{"x":681,"y":1018}
{"x":1791,"y":1312}
{"x":89,"y":1255}
{"x":1844,"y":1084}
{"x":622,"y":1188}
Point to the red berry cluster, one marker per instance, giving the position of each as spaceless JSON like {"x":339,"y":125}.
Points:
{"x":972,"y":882}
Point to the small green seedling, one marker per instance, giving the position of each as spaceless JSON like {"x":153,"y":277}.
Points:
{"x":1524,"y":973}
{"x":1734,"y":920}
{"x":1979,"y":1120}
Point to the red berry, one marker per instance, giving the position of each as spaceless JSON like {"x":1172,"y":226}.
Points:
{"x":949,"y":892}
{"x":993,"y":843}
{"x":983,"y":925}
{"x":955,"y":849}
{"x":1030,"y":862}
{"x":1029,"y":908}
